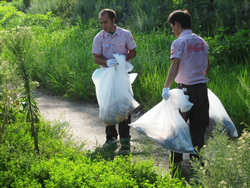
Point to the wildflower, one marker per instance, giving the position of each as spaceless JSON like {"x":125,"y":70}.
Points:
{"x":15,"y":103}
{"x":223,"y":182}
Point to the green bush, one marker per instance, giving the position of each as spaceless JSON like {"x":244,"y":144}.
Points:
{"x":10,"y":18}
{"x":226,"y":49}
{"x":62,"y":163}
{"x":226,"y":162}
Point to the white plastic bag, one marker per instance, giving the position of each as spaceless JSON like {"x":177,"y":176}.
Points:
{"x":218,"y":113}
{"x":114,"y":92}
{"x":164,"y":124}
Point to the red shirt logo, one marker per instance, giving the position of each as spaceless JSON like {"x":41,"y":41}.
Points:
{"x":172,"y":52}
{"x":195,"y":47}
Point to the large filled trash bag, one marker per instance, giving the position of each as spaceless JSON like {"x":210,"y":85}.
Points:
{"x":114,"y":91}
{"x":218,"y":114}
{"x":164,"y":124}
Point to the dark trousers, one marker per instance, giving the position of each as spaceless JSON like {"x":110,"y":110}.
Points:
{"x":198,"y":116}
{"x":123,"y":130}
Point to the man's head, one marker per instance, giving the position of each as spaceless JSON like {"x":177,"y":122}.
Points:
{"x":182,"y":17}
{"x":107,"y":20}
{"x":179,"y":20}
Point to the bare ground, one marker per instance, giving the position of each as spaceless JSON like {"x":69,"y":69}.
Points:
{"x":86,"y":127}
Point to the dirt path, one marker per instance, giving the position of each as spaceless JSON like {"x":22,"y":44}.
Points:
{"x":86,"y":127}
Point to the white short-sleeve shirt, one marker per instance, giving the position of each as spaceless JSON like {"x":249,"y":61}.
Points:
{"x":119,"y":43}
{"x":192,"y":50}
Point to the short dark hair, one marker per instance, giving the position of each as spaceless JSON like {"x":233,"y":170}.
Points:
{"x":181,"y":16}
{"x":110,"y":12}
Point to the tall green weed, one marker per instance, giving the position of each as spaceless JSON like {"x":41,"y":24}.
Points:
{"x":66,"y":62}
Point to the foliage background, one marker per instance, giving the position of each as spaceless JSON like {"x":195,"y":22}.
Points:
{"x":61,"y":61}
{"x":64,"y":31}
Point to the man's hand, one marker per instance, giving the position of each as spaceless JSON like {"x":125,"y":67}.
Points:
{"x":111,"y":62}
{"x":165,"y":93}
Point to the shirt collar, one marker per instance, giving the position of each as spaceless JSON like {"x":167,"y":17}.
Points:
{"x":117,"y":32}
{"x":187,"y":31}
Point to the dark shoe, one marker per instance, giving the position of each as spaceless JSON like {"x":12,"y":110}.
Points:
{"x":123,"y":151}
{"x":110,"y":141}
{"x":125,"y":142}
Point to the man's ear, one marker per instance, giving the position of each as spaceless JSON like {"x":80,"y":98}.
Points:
{"x":176,"y":24}
{"x":113,"y":20}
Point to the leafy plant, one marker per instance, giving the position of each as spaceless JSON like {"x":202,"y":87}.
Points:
{"x":18,"y":44}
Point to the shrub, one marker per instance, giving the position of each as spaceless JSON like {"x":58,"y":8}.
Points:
{"x":226,"y":49}
{"x":62,"y":163}
{"x":226,"y":162}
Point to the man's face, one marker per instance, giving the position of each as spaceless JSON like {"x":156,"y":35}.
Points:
{"x":107,"y":24}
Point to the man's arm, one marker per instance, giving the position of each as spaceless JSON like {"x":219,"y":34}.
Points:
{"x":173,"y":70}
{"x":99,"y":60}
{"x":208,"y":67}
{"x":131,"y":54}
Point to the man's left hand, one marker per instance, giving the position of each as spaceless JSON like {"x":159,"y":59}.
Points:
{"x":165,"y":93}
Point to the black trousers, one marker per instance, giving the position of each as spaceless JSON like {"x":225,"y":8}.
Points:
{"x":123,"y":129}
{"x":198,"y":116}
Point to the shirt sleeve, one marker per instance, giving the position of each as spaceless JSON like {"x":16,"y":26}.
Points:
{"x":130,"y":41}
{"x":176,"y":51}
{"x":96,"y":47}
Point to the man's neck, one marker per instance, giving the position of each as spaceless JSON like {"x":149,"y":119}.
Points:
{"x":181,"y":30}
{"x":113,"y":30}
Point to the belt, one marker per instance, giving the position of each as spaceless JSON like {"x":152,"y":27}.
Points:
{"x":184,"y":85}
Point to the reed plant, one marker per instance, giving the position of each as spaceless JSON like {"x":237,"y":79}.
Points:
{"x":18,"y":50}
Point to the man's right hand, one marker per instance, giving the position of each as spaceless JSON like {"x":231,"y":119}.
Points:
{"x":112,"y":63}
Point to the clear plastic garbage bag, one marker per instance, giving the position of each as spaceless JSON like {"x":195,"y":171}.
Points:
{"x":164,"y":124}
{"x":217,"y":113}
{"x":114,"y":92}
